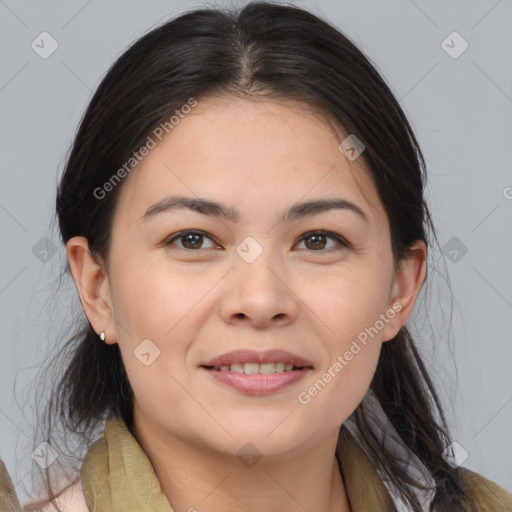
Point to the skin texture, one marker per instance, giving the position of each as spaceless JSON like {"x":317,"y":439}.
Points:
{"x":200,"y":300}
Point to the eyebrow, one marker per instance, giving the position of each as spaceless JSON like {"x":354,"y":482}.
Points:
{"x":215,"y":209}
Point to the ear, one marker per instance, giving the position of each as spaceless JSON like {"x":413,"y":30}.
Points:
{"x":91,"y":281}
{"x":406,"y":287}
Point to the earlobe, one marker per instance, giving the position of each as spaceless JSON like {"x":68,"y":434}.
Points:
{"x":406,"y":287}
{"x":92,"y":284}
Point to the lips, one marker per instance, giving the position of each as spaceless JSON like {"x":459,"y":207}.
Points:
{"x":251,"y":356}
{"x":258,"y":384}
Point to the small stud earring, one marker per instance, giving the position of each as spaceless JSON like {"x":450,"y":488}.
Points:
{"x":102,"y":336}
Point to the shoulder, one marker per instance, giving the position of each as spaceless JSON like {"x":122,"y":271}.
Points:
{"x":487,"y":496}
{"x":71,"y":499}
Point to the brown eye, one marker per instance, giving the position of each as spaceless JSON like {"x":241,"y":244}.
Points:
{"x":317,"y":240}
{"x":190,"y":240}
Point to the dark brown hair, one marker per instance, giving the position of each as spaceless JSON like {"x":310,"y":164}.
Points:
{"x":263,"y":50}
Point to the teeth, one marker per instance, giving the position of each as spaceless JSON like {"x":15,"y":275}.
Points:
{"x":268,"y":368}
{"x":253,"y":368}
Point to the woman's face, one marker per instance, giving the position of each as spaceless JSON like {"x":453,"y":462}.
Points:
{"x":251,"y":281}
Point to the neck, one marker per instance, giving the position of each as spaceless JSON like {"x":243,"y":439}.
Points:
{"x":210,"y":481}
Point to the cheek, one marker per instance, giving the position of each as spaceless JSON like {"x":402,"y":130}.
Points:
{"x":337,"y":389}
{"x":352,"y":331}
{"x":347,"y":302}
{"x":150,"y":300}
{"x":154,"y":327}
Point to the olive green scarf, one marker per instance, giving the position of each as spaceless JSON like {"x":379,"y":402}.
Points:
{"x":8,"y":499}
{"x":117,"y":475}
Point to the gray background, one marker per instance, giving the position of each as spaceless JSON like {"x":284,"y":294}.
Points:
{"x":460,"y":108}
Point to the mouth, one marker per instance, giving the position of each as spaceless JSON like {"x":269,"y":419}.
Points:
{"x":254,"y":361}
{"x":257,"y":373}
{"x":257,"y":368}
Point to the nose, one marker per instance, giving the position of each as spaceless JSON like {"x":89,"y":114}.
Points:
{"x":260,"y":294}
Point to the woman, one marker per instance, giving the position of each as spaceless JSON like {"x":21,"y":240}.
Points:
{"x":245,"y":225}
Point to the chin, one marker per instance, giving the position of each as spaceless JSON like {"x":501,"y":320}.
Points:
{"x":268,"y":438}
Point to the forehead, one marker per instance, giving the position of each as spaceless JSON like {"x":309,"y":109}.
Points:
{"x":258,"y":152}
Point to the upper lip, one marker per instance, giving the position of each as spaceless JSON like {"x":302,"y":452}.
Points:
{"x":253,"y":356}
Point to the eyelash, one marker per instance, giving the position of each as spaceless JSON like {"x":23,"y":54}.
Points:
{"x":328,"y":234}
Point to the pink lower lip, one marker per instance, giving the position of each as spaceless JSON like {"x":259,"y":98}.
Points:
{"x":258,"y":383}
